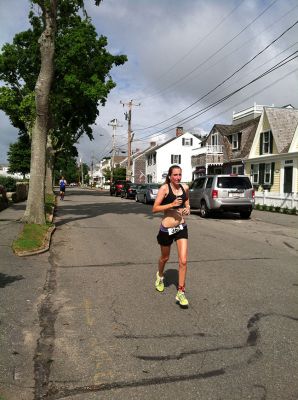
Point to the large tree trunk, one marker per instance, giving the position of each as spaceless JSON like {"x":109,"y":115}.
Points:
{"x":35,"y":212}
{"x":49,"y":166}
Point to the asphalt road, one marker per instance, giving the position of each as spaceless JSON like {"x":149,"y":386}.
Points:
{"x":106,"y":333}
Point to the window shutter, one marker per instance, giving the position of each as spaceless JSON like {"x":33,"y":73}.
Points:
{"x":239,"y":140}
{"x":179,"y":159}
{"x":172,"y":159}
{"x":261,"y":143}
{"x":271,"y":142}
{"x":183,"y":141}
{"x":191,"y":141}
{"x":261,"y":173}
{"x":272,"y":172}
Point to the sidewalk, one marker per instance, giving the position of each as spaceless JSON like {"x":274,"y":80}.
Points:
{"x":21,"y":287}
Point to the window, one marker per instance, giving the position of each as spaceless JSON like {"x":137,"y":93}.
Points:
{"x":267,"y":174}
{"x":237,"y":169}
{"x":266,"y":142}
{"x":154,"y":158}
{"x":234,"y":182}
{"x":175,"y":159}
{"x":254,"y":173}
{"x":235,"y":143}
{"x":186,"y":141}
{"x":214,"y":139}
{"x":198,"y":183}
{"x":209,"y":182}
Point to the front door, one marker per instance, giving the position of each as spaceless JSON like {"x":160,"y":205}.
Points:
{"x":288,"y":178}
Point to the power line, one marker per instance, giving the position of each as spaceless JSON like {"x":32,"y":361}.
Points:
{"x":280,"y":64}
{"x":274,"y":23}
{"x":225,"y":80}
{"x":216,"y":52}
{"x":214,"y":29}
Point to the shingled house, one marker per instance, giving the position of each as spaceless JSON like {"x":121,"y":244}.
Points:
{"x":226,"y":147}
{"x":273,"y":159}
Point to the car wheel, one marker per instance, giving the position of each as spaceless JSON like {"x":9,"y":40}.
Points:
{"x":245,"y":214}
{"x":205,"y":212}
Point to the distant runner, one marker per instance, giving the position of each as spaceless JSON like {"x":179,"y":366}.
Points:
{"x":172,"y":199}
{"x":62,"y":185}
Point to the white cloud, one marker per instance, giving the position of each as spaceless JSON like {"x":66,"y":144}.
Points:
{"x":165,"y":41}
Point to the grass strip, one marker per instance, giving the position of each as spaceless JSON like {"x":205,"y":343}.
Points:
{"x":31,"y":238}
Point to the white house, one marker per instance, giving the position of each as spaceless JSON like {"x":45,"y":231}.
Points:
{"x":177,"y":150}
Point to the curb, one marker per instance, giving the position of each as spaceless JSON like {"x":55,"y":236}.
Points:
{"x":43,"y":249}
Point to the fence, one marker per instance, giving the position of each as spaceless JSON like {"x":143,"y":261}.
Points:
{"x":283,"y":200}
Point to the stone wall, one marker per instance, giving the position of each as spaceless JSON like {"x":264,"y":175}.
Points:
{"x":20,"y":194}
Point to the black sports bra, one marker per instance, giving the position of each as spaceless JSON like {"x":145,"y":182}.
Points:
{"x":172,"y":197}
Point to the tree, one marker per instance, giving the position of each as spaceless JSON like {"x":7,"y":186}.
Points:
{"x":19,"y":155}
{"x":66,"y":94}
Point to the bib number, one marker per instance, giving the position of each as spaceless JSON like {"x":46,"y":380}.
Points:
{"x":178,"y":228}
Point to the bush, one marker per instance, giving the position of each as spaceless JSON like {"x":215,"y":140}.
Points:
{"x":271,"y":208}
{"x":257,"y":206}
{"x":285,"y":210}
{"x":277,"y":209}
{"x":293,"y":211}
{"x":9,"y":183}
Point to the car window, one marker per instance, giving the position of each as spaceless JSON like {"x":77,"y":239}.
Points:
{"x":198,"y":183}
{"x":234,"y":182}
{"x":209,"y":182}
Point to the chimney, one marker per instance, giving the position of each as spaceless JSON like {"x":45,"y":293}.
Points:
{"x":179,"y":131}
{"x":152,"y":144}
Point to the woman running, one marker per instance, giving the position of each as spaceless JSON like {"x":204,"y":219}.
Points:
{"x":172,"y":199}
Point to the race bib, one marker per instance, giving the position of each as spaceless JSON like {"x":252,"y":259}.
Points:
{"x":178,"y":228}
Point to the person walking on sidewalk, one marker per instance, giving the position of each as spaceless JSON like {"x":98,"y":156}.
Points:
{"x":172,"y":200}
{"x":62,"y":186}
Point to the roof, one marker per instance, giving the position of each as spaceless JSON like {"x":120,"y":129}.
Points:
{"x":170,"y":140}
{"x":227,"y":130}
{"x":283,"y":123}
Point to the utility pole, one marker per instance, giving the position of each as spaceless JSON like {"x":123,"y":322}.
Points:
{"x":114,"y":124}
{"x":129,"y":135}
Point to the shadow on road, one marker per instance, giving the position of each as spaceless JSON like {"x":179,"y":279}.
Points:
{"x":72,"y":210}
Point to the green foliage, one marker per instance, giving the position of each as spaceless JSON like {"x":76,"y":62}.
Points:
{"x":118,"y":174}
{"x":19,"y":155}
{"x":66,"y":165}
{"x":82,"y":79}
{"x":9,"y":183}
{"x":293,"y":211}
{"x":271,"y":208}
{"x":31,"y":238}
{"x":277,"y":209}
{"x":285,"y":210}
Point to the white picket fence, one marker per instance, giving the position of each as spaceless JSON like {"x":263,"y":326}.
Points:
{"x":283,"y":200}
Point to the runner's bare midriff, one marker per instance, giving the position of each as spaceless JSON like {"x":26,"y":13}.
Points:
{"x":172,"y":218}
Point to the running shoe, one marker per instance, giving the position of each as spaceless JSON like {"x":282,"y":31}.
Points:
{"x":181,"y":299}
{"x":159,"y":285}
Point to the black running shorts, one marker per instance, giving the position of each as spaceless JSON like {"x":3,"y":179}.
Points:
{"x":164,"y":239}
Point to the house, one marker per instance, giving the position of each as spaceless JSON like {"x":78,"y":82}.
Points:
{"x":177,"y":150}
{"x":272,"y":162}
{"x":227,"y":146}
{"x":98,"y":173}
{"x":138,"y":164}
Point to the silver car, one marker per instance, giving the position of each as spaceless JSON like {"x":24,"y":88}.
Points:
{"x":147,"y":192}
{"x":222,"y":193}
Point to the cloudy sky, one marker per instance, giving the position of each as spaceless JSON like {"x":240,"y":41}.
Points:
{"x":186,"y":58}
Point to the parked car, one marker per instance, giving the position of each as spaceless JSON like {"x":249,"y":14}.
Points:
{"x":129,"y":190}
{"x":222,"y":193}
{"x":147,"y":192}
{"x":116,"y":187}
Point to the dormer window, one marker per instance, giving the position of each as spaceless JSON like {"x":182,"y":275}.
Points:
{"x":235,"y":142}
{"x":266,"y":142}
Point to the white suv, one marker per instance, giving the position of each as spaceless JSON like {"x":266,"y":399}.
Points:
{"x":222,"y":193}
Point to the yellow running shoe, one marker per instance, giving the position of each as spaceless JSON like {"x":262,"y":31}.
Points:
{"x":181,"y":299}
{"x":159,"y":285}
